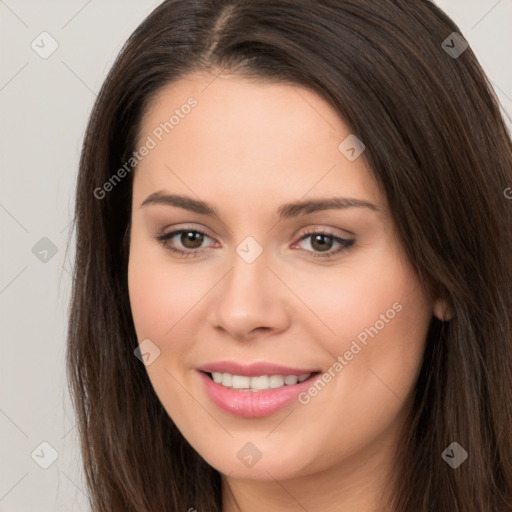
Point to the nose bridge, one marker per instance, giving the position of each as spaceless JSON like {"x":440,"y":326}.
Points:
{"x":249,"y":277}
{"x":250,"y":296}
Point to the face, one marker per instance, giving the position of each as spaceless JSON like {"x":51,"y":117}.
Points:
{"x":238,"y":281}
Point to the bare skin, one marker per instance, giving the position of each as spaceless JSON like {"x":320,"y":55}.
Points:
{"x":247,"y":148}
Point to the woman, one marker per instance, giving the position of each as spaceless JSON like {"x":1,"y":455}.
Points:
{"x":292,"y":286}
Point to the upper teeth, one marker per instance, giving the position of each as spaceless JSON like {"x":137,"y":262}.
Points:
{"x":257,"y":383}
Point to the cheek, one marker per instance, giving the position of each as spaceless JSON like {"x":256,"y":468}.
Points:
{"x":380,"y":318}
{"x":160,"y":296}
{"x":375,"y":294}
{"x":160,"y":292}
{"x":390,"y":332}
{"x":375,"y":316}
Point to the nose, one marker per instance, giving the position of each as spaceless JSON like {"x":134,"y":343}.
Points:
{"x":250,"y":301}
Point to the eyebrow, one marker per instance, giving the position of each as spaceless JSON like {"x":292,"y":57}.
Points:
{"x":285,"y":211}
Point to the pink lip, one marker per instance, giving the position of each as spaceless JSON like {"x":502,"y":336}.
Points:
{"x":255,"y":404}
{"x":254,"y":369}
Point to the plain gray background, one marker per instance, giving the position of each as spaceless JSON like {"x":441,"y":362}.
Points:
{"x":44,"y":105}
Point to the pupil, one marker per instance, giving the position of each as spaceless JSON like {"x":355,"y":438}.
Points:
{"x":191,"y":237}
{"x":321,"y":238}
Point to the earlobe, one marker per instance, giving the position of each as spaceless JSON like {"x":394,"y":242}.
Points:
{"x":442,"y":310}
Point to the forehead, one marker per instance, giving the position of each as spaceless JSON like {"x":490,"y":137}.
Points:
{"x":259,"y":139}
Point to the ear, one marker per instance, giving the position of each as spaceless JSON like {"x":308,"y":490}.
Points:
{"x":442,"y":310}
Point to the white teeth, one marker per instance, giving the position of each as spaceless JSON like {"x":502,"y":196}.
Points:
{"x":240,"y":382}
{"x":259,"y":383}
{"x":227,"y":379}
{"x":290,"y":380}
{"x":276,"y":381}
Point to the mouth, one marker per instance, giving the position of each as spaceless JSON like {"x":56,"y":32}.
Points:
{"x":255,"y":396}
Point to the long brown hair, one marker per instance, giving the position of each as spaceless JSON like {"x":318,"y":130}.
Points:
{"x":437,"y":146}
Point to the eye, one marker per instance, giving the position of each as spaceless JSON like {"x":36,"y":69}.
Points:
{"x":191,"y":240}
{"x":323,"y":241}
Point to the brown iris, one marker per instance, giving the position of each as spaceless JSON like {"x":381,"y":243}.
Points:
{"x":193,"y":238}
{"x":322,"y":245}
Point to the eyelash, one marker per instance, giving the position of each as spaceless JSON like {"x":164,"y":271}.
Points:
{"x":345,"y":243}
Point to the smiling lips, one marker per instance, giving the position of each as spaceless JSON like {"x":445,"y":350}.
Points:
{"x":254,"y":390}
